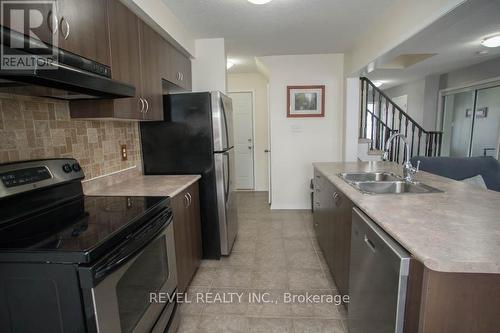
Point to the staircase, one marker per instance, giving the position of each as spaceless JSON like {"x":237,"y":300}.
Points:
{"x":380,"y":118}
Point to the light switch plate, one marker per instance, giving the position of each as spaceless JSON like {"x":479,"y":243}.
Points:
{"x":123,"y":152}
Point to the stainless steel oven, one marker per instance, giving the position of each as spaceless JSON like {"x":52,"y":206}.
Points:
{"x":118,"y":289}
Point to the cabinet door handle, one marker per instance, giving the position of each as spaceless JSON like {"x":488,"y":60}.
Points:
{"x":66,"y":23}
{"x":190,"y":198}
{"x":52,"y":22}
{"x":142,"y":105}
{"x":336,"y":198}
{"x":187,"y":201}
{"x":147,"y":105}
{"x":369,"y":243}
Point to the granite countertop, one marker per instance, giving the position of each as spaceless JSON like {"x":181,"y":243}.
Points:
{"x":140,"y":185}
{"x":456,"y":231}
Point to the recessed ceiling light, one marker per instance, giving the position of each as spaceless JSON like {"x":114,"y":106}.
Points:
{"x":493,"y":41}
{"x":378,"y":83}
{"x":259,"y":2}
{"x":229,"y":64}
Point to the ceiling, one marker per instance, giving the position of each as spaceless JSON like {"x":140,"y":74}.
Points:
{"x":279,"y":27}
{"x":454,"y":38}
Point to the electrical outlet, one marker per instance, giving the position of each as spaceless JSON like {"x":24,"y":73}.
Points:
{"x":123,"y":150}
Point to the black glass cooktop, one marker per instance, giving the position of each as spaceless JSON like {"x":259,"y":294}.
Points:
{"x":80,"y":226}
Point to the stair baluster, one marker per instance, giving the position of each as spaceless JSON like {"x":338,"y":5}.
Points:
{"x":377,"y":126}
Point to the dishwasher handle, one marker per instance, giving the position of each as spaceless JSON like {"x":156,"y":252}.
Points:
{"x":379,"y":241}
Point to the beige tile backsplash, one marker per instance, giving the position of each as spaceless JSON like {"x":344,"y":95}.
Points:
{"x":33,"y":128}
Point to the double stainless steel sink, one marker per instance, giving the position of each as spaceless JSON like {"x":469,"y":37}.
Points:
{"x":384,"y":183}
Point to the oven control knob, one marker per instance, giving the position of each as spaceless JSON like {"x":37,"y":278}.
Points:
{"x":67,"y":168}
{"x":76,"y":167}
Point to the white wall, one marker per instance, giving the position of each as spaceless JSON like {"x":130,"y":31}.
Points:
{"x":209,"y":65}
{"x":471,"y":75}
{"x":416,"y":94}
{"x":422,"y":100}
{"x":298,"y":142}
{"x":401,"y":21}
{"x":257,"y":84}
{"x":423,"y":94}
{"x":157,"y":14}
{"x":351,"y":128}
{"x":431,"y":99}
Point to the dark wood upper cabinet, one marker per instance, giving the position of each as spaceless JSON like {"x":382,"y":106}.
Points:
{"x":46,"y":32}
{"x":125,"y":57}
{"x":151,"y":64}
{"x":124,"y":43}
{"x":125,"y":50}
{"x":138,"y":55}
{"x":180,"y":69}
{"x":83,"y":28}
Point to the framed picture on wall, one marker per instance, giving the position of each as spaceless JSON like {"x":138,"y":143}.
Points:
{"x":480,"y":113}
{"x":305,"y":101}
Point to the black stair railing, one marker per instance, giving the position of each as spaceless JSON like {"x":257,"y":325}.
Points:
{"x":380,"y":118}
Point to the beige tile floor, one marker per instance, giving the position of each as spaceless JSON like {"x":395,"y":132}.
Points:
{"x":275,"y":253}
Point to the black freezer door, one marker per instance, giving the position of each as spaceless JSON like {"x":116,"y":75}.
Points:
{"x":183,"y":144}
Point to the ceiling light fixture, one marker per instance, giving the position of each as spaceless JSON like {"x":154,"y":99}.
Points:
{"x":378,"y":83}
{"x":229,"y":64}
{"x":493,"y":41}
{"x":259,"y":2}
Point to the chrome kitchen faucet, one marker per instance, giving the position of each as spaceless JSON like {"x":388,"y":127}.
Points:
{"x":408,"y":170}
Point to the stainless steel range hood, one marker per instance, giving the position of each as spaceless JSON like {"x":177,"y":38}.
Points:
{"x":65,"y":76}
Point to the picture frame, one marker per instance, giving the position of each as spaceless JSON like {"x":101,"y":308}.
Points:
{"x":305,"y":101}
{"x":480,"y":112}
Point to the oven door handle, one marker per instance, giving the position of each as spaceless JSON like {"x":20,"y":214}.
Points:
{"x":137,"y":242}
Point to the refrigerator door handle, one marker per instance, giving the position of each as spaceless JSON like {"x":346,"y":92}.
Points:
{"x":228,"y":181}
{"x":226,"y":130}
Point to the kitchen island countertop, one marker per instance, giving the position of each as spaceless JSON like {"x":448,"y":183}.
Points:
{"x":457,"y":231}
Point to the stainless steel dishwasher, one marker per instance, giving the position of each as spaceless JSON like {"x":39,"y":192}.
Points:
{"x":378,"y":279}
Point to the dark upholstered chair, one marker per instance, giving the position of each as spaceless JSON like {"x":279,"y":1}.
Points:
{"x":460,"y":168}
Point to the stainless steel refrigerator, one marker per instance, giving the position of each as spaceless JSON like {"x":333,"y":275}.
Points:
{"x":196,"y":137}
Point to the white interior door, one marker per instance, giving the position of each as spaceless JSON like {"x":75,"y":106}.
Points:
{"x":268,"y":150}
{"x":243,"y":139}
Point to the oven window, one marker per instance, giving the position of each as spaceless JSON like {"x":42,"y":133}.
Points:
{"x":146,"y":275}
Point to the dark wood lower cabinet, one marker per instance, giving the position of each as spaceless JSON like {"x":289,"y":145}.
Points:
{"x":187,"y":234}
{"x":436,"y":302}
{"x":459,"y":302}
{"x":341,"y":213}
{"x":332,"y":223}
